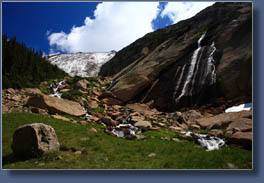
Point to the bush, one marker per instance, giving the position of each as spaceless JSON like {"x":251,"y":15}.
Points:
{"x":72,"y":95}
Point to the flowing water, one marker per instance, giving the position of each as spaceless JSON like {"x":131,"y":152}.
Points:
{"x":54,"y":87}
{"x":199,"y":72}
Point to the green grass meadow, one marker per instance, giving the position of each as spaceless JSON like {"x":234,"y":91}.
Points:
{"x":103,"y":151}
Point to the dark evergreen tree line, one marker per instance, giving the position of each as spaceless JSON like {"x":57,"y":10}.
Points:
{"x":23,"y":67}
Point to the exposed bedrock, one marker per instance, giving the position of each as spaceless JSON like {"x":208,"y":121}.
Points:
{"x":190,"y":63}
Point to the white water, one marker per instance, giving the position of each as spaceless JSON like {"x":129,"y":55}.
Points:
{"x":55,"y":89}
{"x":211,"y":65}
{"x":119,"y":130}
{"x":209,"y":142}
{"x":242,"y":107}
{"x":179,"y":81}
{"x":191,"y":68}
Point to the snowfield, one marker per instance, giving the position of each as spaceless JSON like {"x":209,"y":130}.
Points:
{"x":242,"y":107}
{"x":81,"y":64}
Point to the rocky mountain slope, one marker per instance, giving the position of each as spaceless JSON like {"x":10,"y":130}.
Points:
{"x":201,"y":60}
{"x":81,"y":64}
{"x":79,"y":104}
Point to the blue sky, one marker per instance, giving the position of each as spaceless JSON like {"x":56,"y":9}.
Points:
{"x":87,"y":26}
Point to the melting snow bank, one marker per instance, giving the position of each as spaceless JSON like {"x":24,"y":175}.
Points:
{"x":242,"y":107}
{"x":81,"y":64}
{"x":54,"y":87}
{"x":207,"y":141}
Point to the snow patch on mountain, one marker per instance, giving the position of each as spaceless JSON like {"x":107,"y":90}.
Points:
{"x":81,"y":64}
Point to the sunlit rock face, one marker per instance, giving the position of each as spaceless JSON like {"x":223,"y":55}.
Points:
{"x":190,"y":63}
{"x":81,"y":64}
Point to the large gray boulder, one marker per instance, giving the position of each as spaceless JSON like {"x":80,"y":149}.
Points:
{"x":34,"y":139}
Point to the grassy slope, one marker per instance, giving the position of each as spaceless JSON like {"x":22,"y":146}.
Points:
{"x":107,"y":152}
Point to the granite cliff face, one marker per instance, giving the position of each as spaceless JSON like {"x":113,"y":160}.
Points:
{"x":190,"y":63}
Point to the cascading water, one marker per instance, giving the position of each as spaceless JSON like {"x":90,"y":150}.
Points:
{"x":190,"y":71}
{"x":211,"y":65}
{"x":55,"y":89}
{"x":194,"y":76}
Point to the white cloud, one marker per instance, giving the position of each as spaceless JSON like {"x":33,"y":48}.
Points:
{"x":178,"y":11}
{"x":116,"y":25}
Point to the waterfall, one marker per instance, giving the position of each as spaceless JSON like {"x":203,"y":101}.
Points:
{"x":55,"y":88}
{"x":179,"y":81}
{"x":191,"y":69}
{"x":211,"y":65}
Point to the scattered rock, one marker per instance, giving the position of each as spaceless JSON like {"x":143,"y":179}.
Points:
{"x":78,"y":152}
{"x":93,"y":104}
{"x":143,"y":124}
{"x":56,"y":116}
{"x":97,"y":93}
{"x":141,"y":108}
{"x":16,"y":98}
{"x":242,"y":139}
{"x":108,"y":121}
{"x":81,"y":84}
{"x":93,"y":118}
{"x":231,"y":166}
{"x":11,"y":91}
{"x":4,"y":108}
{"x":161,"y":125}
{"x":176,"y":139}
{"x":59,"y":157}
{"x":175,"y":128}
{"x":111,"y":101}
{"x":165,"y":138}
{"x":93,"y":130}
{"x":194,"y":127}
{"x":82,"y":122}
{"x":107,"y":94}
{"x":216,"y":132}
{"x":33,"y":140}
{"x":135,"y":119}
{"x":155,"y":128}
{"x":183,"y":126}
{"x":39,"y":111}
{"x":243,"y":124}
{"x":135,"y":114}
{"x":65,"y":90}
{"x":152,"y":155}
{"x":191,"y":116}
{"x":151,"y":103}
{"x":222,"y":120}
{"x":32,"y":91}
{"x":141,"y":137}
{"x":115,"y":115}
{"x":116,"y":107}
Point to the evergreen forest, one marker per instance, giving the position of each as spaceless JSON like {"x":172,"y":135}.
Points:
{"x":23,"y":67}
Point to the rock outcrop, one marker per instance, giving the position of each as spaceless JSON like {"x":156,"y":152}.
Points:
{"x":189,"y":63}
{"x":33,"y":140}
{"x":56,"y":105}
